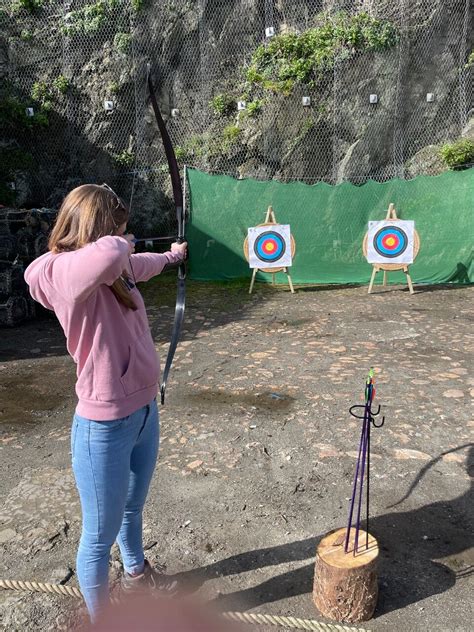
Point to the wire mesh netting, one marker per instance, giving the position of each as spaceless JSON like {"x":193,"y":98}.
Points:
{"x":387,"y":83}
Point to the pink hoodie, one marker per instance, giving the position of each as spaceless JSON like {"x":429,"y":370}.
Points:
{"x":117,"y":366}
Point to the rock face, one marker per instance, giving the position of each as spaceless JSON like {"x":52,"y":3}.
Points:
{"x":199,"y":50}
{"x":3,"y":58}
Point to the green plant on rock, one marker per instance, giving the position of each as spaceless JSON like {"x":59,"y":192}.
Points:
{"x":290,"y":58}
{"x":113,"y":87}
{"x":230,"y":135}
{"x":40,"y":119}
{"x":41,"y":92}
{"x":26,"y":35}
{"x":322,"y":109}
{"x":46,"y":95}
{"x":195,"y":147}
{"x":222,"y":104}
{"x":281,"y":87}
{"x":137,"y":5}
{"x":32,"y":6}
{"x":231,"y":132}
{"x":61,"y":84}
{"x":252,"y":74}
{"x":470,"y":60}
{"x":123,"y":42}
{"x":202,"y":145}
{"x":87,"y":20}
{"x":13,"y":115}
{"x":254,"y":107}
{"x":308,"y":125}
{"x":458,"y":155}
{"x":126,"y":158}
{"x":180,"y":153}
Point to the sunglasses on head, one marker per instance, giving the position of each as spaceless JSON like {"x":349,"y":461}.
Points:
{"x":119,"y":202}
{"x":106,"y":186}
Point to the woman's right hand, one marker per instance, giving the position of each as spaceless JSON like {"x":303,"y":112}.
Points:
{"x":131,"y":242}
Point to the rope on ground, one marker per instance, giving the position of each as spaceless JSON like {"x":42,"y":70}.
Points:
{"x":288,"y":622}
{"x":58,"y":589}
{"x":294,"y":623}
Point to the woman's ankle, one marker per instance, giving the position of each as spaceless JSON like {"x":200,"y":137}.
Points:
{"x":136,"y":571}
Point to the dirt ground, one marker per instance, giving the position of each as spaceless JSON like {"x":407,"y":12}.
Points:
{"x":258,"y":451}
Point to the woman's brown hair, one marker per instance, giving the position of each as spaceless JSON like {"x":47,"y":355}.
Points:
{"x":86,"y":214}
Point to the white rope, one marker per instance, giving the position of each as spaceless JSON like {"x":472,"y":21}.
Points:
{"x":14,"y":584}
{"x":288,"y":622}
{"x":294,"y":623}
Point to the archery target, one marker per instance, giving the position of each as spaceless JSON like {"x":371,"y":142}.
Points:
{"x":269,"y":246}
{"x":390,"y":242}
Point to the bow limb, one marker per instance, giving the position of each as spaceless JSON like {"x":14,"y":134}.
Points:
{"x":178,"y":200}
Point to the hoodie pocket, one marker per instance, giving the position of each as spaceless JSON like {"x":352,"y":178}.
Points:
{"x":143,"y":368}
{"x":85,"y":387}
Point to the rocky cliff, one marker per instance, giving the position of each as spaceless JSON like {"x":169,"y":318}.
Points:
{"x":334,"y":91}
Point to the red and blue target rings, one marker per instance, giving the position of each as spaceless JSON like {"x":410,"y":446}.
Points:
{"x":269,"y":246}
{"x":390,"y":241}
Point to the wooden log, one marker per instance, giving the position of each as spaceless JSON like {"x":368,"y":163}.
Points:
{"x":12,"y":282}
{"x":14,"y":311}
{"x":345,"y":585}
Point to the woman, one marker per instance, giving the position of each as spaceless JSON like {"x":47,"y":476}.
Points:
{"x":88,"y":278}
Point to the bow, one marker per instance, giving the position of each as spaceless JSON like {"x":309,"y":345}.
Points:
{"x":178,"y":201}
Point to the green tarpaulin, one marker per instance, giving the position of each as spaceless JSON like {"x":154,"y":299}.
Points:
{"x":329,"y":223}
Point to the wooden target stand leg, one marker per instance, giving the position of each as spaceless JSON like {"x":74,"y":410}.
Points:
{"x":290,"y":282}
{"x":285,"y":270}
{"x":377,"y":269}
{"x":410,"y":284}
{"x":254,"y":274}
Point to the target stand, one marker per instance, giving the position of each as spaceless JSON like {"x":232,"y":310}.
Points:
{"x":391,"y":267}
{"x":270,"y":220}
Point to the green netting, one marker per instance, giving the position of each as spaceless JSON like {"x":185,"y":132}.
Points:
{"x":329,"y":223}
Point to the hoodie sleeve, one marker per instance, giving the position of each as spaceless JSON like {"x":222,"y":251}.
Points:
{"x":75,"y":275}
{"x":146,"y":265}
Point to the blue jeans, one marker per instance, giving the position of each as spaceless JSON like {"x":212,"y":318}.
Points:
{"x":113,"y":462}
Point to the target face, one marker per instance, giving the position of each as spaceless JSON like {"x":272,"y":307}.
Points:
{"x":390,"y":242}
{"x":269,"y":246}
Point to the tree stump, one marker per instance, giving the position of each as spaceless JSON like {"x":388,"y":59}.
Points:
{"x":345,"y":585}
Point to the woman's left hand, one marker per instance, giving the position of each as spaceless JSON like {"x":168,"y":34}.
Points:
{"x":180,"y":249}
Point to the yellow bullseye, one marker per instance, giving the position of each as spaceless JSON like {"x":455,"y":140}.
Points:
{"x":269,"y":247}
{"x":390,"y":241}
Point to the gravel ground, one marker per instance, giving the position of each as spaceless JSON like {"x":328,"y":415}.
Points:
{"x":258,"y":451}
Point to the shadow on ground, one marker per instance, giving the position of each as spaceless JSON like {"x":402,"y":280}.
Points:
{"x":411,"y":542}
